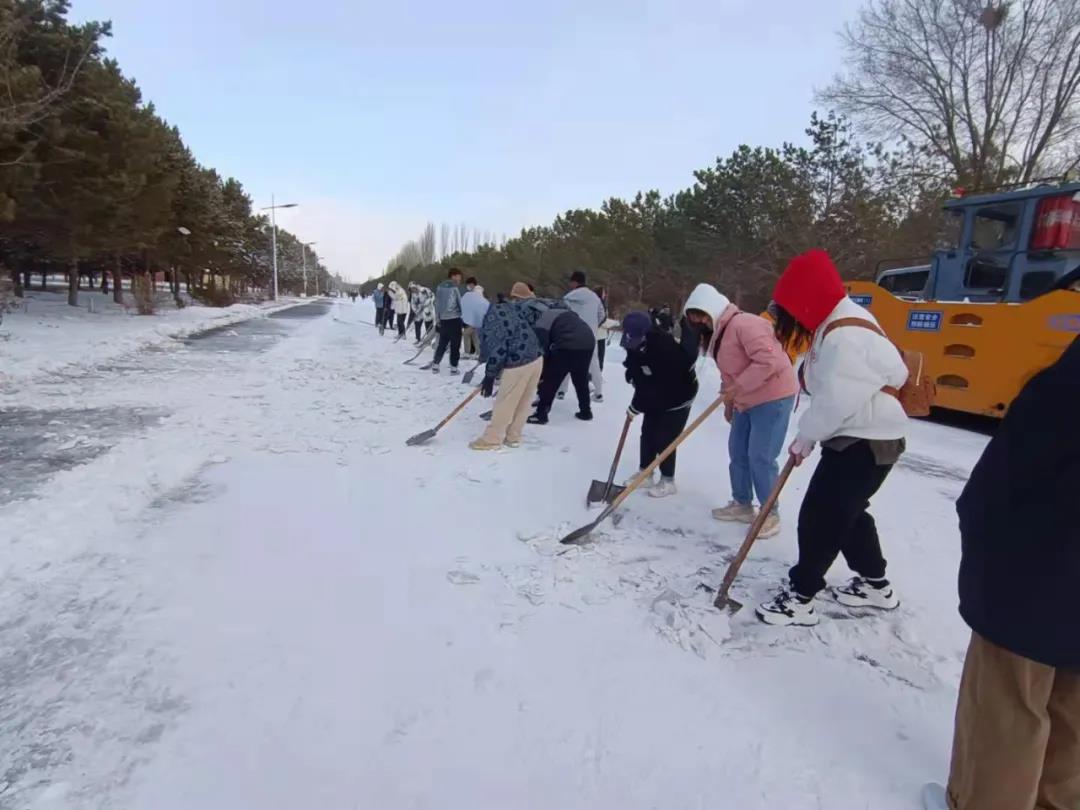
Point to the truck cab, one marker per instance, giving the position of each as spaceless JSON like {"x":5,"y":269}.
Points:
{"x":1009,"y":247}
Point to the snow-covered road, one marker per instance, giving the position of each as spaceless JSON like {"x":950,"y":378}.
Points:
{"x":259,"y":597}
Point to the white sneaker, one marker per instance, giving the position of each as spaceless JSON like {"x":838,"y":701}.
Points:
{"x":454,"y":371}
{"x":597,"y":397}
{"x":735,"y":512}
{"x":934,"y":797}
{"x":648,"y":483}
{"x":434,"y":369}
{"x":861,"y":593}
{"x":663,"y":489}
{"x":787,"y":609}
{"x":771,"y":526}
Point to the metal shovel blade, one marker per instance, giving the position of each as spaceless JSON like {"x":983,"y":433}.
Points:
{"x":725,"y":602}
{"x":467,"y":378}
{"x":580,"y":534}
{"x":420,"y":438}
{"x":602,"y":492}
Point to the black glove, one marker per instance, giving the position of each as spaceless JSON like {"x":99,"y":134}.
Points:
{"x":487,"y":387}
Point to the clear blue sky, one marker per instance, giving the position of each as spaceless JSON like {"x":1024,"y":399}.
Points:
{"x":378,"y":117}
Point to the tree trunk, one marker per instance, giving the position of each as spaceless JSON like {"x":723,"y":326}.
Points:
{"x":73,"y":282}
{"x":118,"y":277}
{"x":44,"y":277}
{"x":17,"y":282}
{"x":175,"y":284}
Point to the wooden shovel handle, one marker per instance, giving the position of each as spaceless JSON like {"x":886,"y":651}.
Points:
{"x":671,"y":448}
{"x":752,"y":533}
{"x":619,"y":449}
{"x":457,"y":410}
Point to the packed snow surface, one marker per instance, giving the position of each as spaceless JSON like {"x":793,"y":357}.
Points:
{"x":255,"y":595}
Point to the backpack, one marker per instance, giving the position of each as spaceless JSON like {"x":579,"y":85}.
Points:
{"x":917,"y":395}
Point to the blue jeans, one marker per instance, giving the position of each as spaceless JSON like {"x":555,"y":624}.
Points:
{"x":756,"y":439}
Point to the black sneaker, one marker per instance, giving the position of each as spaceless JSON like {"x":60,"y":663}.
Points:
{"x":537,"y":419}
{"x":584,"y":416}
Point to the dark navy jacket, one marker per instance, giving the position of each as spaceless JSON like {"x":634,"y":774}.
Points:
{"x":1020,"y":523}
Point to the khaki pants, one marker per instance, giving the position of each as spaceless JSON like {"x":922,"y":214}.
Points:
{"x":1017,"y":741}
{"x":469,"y":342}
{"x":513,"y":403}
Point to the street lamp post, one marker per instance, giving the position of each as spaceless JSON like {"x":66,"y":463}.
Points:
{"x":184,"y":232}
{"x":303,"y":252}
{"x":273,"y":222}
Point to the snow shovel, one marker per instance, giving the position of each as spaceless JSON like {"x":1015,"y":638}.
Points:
{"x":584,"y":531}
{"x":723,"y":600}
{"x":601,"y":491}
{"x":427,"y":435}
{"x":423,"y":345}
{"x":470,"y":373}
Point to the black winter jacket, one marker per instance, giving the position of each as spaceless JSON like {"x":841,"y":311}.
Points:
{"x":662,"y":373}
{"x":1020,"y":524}
{"x":557,"y":327}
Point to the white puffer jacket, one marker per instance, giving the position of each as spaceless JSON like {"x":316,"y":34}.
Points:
{"x":400,"y":298}
{"x":844,"y":374}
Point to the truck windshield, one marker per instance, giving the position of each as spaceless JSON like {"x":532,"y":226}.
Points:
{"x":950,"y":230}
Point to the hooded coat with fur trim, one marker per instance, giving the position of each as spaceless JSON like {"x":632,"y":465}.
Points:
{"x":752,"y":364}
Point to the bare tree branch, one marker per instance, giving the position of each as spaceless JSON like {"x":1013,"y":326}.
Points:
{"x":992,"y":88}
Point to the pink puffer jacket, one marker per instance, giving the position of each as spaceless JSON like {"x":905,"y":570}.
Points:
{"x":752,"y":363}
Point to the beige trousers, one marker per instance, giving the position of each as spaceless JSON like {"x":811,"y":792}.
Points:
{"x":513,"y":403}
{"x":469,"y":344}
{"x":1017,"y":739}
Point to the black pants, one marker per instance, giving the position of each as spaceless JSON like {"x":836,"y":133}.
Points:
{"x":401,"y":325}
{"x":557,"y":365}
{"x":833,"y":518}
{"x":379,"y":316}
{"x":449,"y":336}
{"x":601,"y":347}
{"x":658,"y":430}
{"x":428,"y":326}
{"x":388,"y":318}
{"x":417,"y":325}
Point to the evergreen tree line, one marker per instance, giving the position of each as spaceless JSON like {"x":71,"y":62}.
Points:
{"x":95,"y":185}
{"x":736,"y":226}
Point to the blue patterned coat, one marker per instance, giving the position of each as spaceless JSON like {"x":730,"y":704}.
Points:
{"x":507,"y":339}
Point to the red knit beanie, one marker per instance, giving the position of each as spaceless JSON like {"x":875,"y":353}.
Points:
{"x":810,"y":288}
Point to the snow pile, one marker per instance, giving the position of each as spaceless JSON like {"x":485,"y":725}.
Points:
{"x":270,"y":601}
{"x":46,"y":336}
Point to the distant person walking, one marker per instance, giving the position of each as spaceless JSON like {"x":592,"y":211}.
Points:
{"x":422,"y":303}
{"x":378,"y":297}
{"x":388,"y":309}
{"x":588,"y":306}
{"x":399,"y":300}
{"x":448,"y":313}
{"x":474,"y":308}
{"x":470,"y":344}
{"x":603,"y":332}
